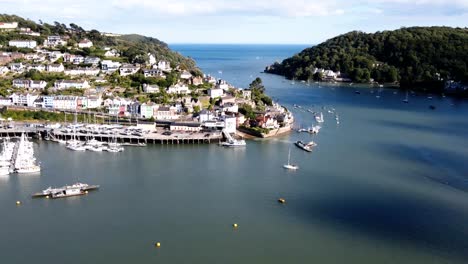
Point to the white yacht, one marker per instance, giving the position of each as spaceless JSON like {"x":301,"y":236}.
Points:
{"x":24,"y":160}
{"x":319,"y":118}
{"x":290,"y":166}
{"x":314,"y":129}
{"x":234,"y":143}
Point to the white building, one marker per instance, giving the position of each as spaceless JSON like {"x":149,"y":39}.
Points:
{"x":55,"y":68}
{"x":85,"y":43}
{"x":4,"y":101}
{"x":31,"y":44}
{"x":185,"y":75}
{"x":92,"y":60}
{"x":230,"y":107}
{"x":53,"y":41}
{"x":153,"y":73}
{"x":36,"y":67}
{"x":82,"y":71}
{"x":163,"y":65}
{"x":112,"y":53}
{"x":4,"y":70}
{"x":94,"y":101}
{"x":230,"y":124}
{"x":17,"y":67}
{"x":66,"y":84}
{"x":216,"y":92}
{"x":109,"y":66}
{"x":150,"y":88}
{"x":166,"y":113}
{"x":29,"y":84}
{"x":222,"y":85}
{"x":8,"y":26}
{"x":128,"y":69}
{"x":178,"y":89}
{"x":23,"y":99}
{"x":151,"y":59}
{"x":65,"y":102}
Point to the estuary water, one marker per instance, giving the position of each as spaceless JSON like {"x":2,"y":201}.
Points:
{"x":389,"y":184}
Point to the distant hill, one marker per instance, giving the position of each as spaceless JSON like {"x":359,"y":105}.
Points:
{"x":411,"y":56}
{"x":134,"y":48}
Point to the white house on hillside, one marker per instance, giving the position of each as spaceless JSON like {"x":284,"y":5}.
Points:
{"x":31,"y":44}
{"x":215,"y":92}
{"x":178,"y":89}
{"x":150,"y":88}
{"x":85,"y":43}
{"x":128,"y":69}
{"x":66,"y":84}
{"x":55,"y":68}
{"x":109,"y":66}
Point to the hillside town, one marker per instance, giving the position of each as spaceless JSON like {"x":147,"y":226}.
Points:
{"x":54,"y":76}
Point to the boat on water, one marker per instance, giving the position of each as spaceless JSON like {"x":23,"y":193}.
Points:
{"x":319,"y":118}
{"x":66,"y":191}
{"x":406,"y":98}
{"x":305,"y":146}
{"x":314,"y":129}
{"x":302,"y":130}
{"x":234,"y":143}
{"x":290,"y":166}
{"x":24,"y":161}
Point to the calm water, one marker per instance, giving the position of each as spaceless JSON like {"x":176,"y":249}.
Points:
{"x":389,"y":184}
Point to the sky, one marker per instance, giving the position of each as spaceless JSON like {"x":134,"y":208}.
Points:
{"x":242,"y":21}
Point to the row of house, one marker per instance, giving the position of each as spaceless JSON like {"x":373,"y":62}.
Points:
{"x":60,"y":102}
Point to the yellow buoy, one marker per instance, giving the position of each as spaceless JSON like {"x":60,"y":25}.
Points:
{"x":18,"y":202}
{"x":281,"y":200}
{"x":47,"y":197}
{"x":86,"y":192}
{"x":234,"y":225}
{"x":158,"y":244}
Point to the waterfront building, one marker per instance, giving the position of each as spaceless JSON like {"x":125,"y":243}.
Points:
{"x":147,"y":109}
{"x":179,"y":126}
{"x":166,"y":113}
{"x":94,"y":101}
{"x":23,"y":99}
{"x":65,"y":102}
{"x":48,"y":101}
{"x":230,"y":124}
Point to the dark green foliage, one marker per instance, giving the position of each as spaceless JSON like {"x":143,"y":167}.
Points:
{"x":408,"y":55}
{"x":134,"y":48}
{"x":258,"y":93}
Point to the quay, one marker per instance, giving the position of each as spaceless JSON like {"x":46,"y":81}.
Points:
{"x":154,"y":137}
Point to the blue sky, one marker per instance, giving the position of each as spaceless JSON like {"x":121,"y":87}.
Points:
{"x":243,"y":21}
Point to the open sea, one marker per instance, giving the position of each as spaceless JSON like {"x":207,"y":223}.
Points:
{"x":389,"y":184}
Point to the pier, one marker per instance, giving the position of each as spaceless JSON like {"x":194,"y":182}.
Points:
{"x":155,"y":137}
